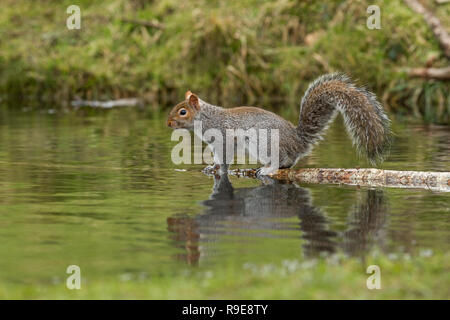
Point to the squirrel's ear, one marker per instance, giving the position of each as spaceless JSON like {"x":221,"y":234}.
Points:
{"x":192,"y":100}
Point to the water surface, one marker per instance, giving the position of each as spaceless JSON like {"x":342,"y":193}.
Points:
{"x":99,"y":190}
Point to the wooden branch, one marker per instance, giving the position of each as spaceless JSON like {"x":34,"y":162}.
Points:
{"x":434,"y":23}
{"x":436,"y":181}
{"x":430,"y":73}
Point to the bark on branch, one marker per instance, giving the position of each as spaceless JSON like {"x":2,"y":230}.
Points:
{"x":434,"y":23}
{"x":436,"y":181}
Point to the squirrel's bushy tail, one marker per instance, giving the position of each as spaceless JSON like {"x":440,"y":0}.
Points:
{"x":364,"y":117}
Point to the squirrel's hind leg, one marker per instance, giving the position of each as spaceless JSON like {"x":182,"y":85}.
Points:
{"x":264,"y":171}
{"x":268,"y":169}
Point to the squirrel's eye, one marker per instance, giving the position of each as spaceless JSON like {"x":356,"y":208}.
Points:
{"x":182,"y":112}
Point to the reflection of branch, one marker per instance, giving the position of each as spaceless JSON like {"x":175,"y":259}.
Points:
{"x":439,"y":31}
{"x":430,"y":73}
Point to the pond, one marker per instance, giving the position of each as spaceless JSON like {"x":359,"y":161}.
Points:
{"x":98,"y":189}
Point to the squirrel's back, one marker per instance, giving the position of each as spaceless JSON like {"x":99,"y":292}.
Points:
{"x":254,"y":117}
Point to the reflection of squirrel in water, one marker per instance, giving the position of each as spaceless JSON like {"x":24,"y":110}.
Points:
{"x":364,"y":118}
{"x":263,"y":209}
{"x":260,"y":209}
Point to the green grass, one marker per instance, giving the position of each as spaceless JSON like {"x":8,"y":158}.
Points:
{"x":402,"y":277}
{"x":254,"y":52}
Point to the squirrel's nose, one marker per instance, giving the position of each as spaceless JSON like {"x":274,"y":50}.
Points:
{"x":170,"y":123}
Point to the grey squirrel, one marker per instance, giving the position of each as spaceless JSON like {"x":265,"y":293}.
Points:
{"x":364,"y":118}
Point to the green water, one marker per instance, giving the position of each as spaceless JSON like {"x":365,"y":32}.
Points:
{"x":99,"y":190}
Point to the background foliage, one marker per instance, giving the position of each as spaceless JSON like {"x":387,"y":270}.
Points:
{"x":230,"y":52}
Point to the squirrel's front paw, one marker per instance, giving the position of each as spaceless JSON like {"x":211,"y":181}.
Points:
{"x":211,"y":169}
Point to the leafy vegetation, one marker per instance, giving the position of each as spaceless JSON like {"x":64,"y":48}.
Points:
{"x":232,"y":52}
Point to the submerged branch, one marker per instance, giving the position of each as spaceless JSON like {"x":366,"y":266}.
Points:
{"x":129,"y":102}
{"x":436,"y":181}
